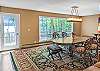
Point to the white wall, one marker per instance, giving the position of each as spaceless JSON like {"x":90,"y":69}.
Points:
{"x":89,"y":25}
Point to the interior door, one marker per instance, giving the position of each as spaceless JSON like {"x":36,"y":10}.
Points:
{"x":9,"y":30}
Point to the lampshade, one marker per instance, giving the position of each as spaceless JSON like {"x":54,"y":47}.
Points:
{"x":74,"y":17}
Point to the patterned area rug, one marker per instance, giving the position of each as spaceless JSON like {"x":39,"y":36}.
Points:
{"x":22,"y":62}
{"x":37,"y":59}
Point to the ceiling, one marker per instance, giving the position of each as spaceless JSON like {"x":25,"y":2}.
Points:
{"x":86,"y":7}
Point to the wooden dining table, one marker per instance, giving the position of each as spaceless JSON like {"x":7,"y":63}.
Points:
{"x":68,"y":41}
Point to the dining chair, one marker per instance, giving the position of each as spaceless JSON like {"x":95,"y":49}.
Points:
{"x":55,"y":35}
{"x":82,"y":53}
{"x":54,"y":50}
{"x":64,"y":34}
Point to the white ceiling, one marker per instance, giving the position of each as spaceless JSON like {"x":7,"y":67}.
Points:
{"x":86,"y":7}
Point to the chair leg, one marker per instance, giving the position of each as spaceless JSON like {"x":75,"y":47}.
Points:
{"x":52,"y":56}
{"x":59,"y":55}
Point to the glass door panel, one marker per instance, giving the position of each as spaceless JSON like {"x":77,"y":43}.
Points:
{"x":9,"y":31}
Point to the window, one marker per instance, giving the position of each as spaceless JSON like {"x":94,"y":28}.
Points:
{"x":48,"y":25}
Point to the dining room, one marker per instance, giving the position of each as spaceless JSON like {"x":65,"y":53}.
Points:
{"x":55,"y":35}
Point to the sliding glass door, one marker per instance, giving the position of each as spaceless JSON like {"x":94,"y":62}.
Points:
{"x":9,"y":30}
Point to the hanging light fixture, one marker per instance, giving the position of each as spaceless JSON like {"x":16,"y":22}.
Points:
{"x":74,"y":17}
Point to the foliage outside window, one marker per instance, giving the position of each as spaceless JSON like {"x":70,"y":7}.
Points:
{"x":48,"y":25}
